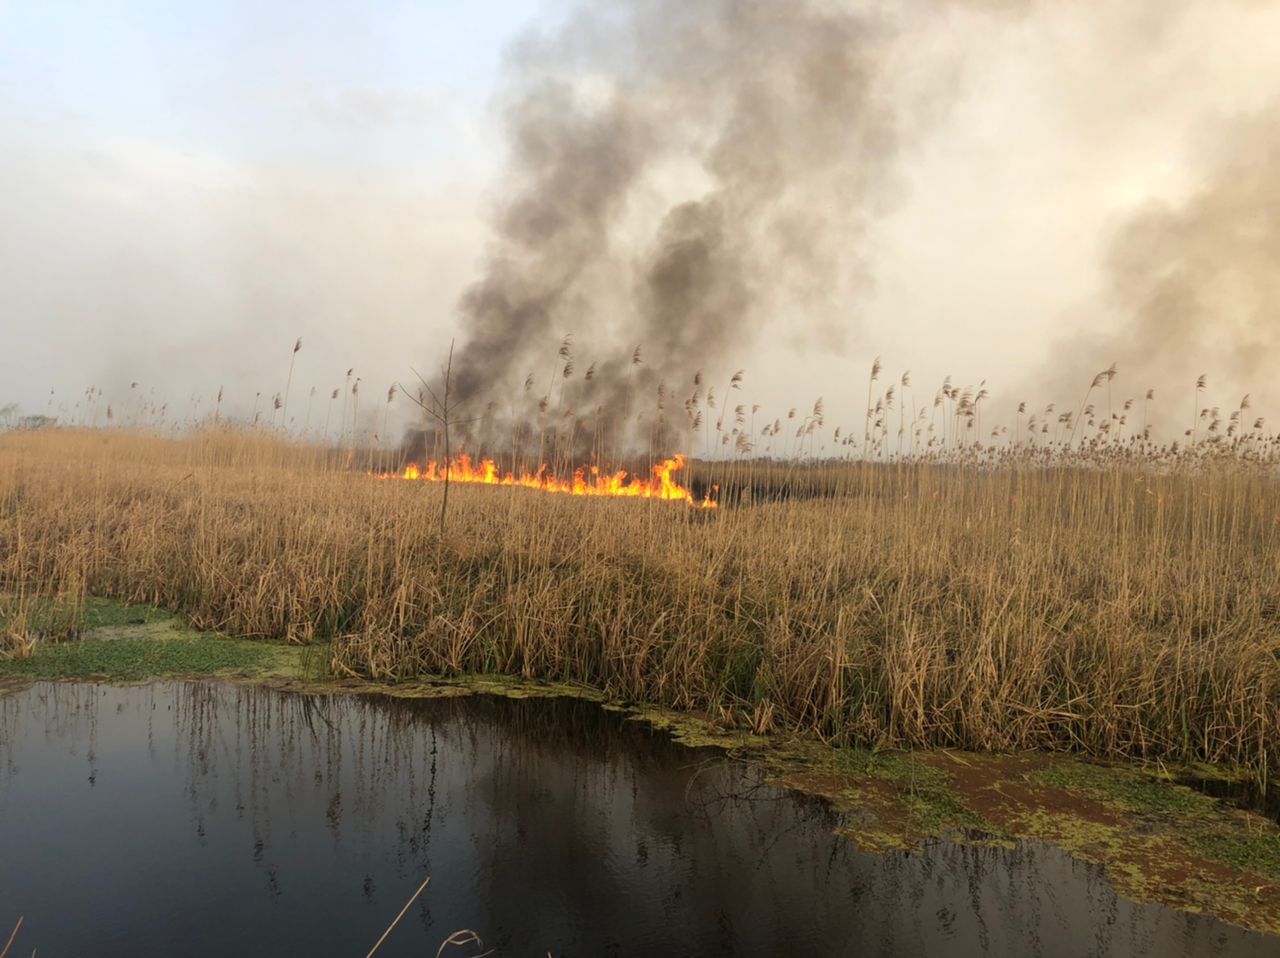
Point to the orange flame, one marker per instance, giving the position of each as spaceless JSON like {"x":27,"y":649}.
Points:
{"x":586,"y":481}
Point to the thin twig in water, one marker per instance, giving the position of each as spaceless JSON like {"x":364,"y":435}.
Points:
{"x":14,"y":934}
{"x":392,"y":926}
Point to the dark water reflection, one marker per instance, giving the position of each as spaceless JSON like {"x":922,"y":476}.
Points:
{"x":201,"y":819}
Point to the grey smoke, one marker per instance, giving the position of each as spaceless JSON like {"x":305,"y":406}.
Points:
{"x":1196,"y":288}
{"x":771,"y":112}
{"x":779,"y":118}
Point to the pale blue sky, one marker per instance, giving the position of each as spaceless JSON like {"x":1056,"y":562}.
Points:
{"x":330,"y":83}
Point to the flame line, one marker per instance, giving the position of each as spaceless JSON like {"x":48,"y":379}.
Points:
{"x":586,"y":481}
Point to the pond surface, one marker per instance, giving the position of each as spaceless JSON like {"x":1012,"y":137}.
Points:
{"x":208,"y":819}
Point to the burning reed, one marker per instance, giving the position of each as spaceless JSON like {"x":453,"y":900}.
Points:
{"x":1117,"y":611}
{"x":585,"y":481}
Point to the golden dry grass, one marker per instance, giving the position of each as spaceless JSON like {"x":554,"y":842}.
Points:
{"x":1111,"y":609}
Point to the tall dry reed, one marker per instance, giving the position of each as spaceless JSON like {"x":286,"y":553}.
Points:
{"x":1112,"y":609}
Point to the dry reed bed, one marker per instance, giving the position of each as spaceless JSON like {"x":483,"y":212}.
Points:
{"x":1111,"y":611}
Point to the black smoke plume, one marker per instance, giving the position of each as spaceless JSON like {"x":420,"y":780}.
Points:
{"x":677,"y":172}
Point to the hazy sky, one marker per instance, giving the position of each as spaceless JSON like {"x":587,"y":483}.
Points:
{"x":187,"y":187}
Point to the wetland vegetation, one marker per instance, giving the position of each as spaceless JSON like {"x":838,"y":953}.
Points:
{"x":937,"y":648}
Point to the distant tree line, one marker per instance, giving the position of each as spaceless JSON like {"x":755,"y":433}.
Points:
{"x":11,"y":419}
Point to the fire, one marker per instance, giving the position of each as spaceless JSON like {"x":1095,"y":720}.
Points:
{"x":586,"y":481}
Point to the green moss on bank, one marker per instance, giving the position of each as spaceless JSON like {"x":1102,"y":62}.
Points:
{"x":1201,"y":820}
{"x":100,"y":613}
{"x":132,"y":643}
{"x":1127,"y":789}
{"x":1258,"y":853}
{"x":131,"y":660}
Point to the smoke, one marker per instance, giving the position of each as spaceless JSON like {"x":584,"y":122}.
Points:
{"x":679,"y":172}
{"x":790,"y":187}
{"x":124,"y":262}
{"x":1195,"y":290}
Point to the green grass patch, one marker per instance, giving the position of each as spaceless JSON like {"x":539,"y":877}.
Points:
{"x":923,"y":793}
{"x":102,"y":613}
{"x":1258,"y":853}
{"x":1125,"y":788}
{"x":131,"y":643}
{"x":40,"y":616}
{"x":1209,"y":830}
{"x":135,"y":659}
{"x":56,"y":618}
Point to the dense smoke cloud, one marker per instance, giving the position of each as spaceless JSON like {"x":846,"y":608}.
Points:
{"x":677,"y":172}
{"x":1196,"y":292}
{"x":680,"y":173}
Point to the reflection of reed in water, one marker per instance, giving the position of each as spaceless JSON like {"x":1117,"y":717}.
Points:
{"x":67,"y":713}
{"x":374,"y":759}
{"x":543,"y":778}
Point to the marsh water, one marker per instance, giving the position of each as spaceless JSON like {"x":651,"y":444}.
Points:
{"x":210,"y":819}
